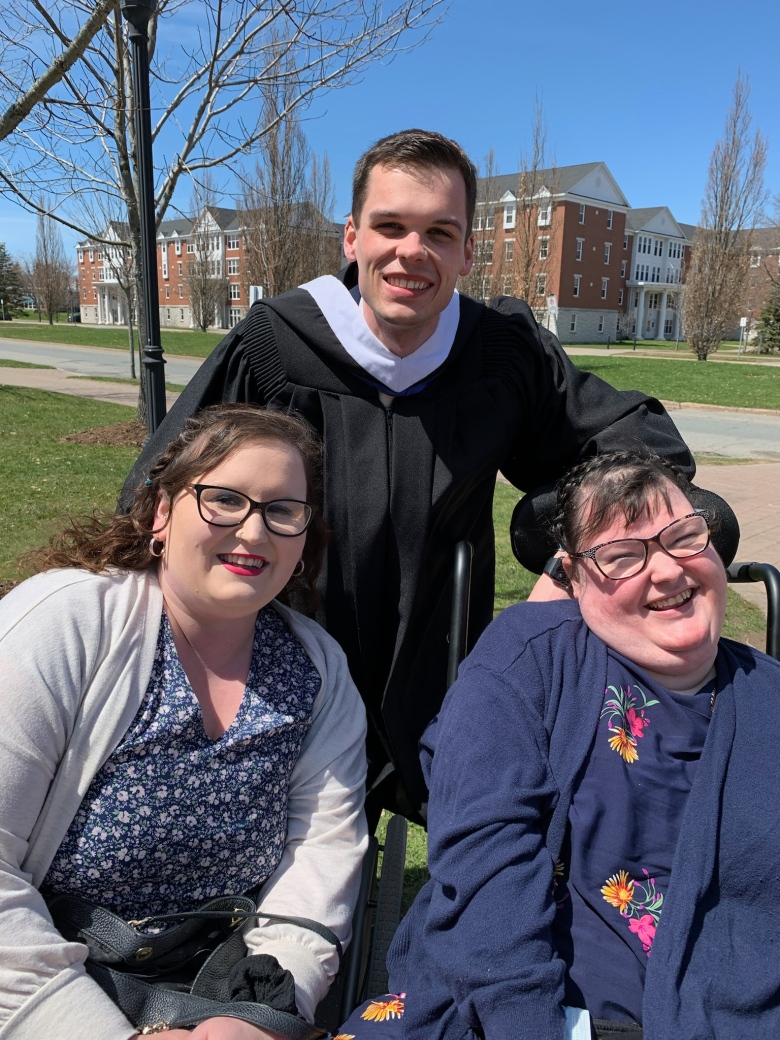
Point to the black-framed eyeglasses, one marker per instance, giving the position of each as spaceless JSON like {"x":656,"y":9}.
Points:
{"x":224,"y":507}
{"x":687,"y":536}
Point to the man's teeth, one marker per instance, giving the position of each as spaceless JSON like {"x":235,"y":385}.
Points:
{"x":241,"y":561}
{"x":408,"y":283}
{"x":673,"y":601}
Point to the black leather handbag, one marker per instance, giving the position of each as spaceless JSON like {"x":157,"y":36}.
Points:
{"x":178,"y":976}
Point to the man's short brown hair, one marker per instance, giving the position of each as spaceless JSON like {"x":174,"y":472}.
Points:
{"x":415,"y":150}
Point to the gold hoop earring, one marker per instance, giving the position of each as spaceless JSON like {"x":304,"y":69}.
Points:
{"x":297,"y":573}
{"x":157,"y":555}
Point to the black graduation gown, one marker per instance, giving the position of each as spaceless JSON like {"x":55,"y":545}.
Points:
{"x":404,"y":485}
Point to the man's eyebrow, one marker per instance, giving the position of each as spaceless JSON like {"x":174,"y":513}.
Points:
{"x":388,"y":214}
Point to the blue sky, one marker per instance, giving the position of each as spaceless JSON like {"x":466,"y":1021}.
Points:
{"x":642,"y":87}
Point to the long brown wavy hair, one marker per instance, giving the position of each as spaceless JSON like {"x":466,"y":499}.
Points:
{"x":207,"y":439}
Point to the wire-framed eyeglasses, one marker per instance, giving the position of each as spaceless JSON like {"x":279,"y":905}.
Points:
{"x":224,"y":507}
{"x":687,"y":536}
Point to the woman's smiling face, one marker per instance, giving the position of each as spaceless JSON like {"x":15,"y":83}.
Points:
{"x":231,"y":572}
{"x":668,"y":618}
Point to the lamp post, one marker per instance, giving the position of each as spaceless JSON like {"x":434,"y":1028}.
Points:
{"x":138,"y":13}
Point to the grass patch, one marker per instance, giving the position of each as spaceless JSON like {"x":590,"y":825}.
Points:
{"x":45,"y":481}
{"x":187,"y":343}
{"x":8,"y":363}
{"x":174,"y":388}
{"x":734,"y":385}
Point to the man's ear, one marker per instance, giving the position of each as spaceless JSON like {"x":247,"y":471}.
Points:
{"x":349,"y":239}
{"x":468,"y":262}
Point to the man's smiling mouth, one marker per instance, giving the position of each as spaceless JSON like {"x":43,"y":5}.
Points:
{"x":407,"y":283}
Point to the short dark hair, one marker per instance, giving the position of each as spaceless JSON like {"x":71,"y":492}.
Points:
{"x":208,"y":438}
{"x":415,"y":150}
{"x":618,"y":483}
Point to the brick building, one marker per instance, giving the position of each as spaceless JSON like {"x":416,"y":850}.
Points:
{"x":591,"y":267}
{"x":213,"y":242}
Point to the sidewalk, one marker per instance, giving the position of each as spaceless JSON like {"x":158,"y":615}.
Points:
{"x":58,"y":381}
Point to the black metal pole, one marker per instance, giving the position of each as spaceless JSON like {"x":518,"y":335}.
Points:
{"x":137,"y":14}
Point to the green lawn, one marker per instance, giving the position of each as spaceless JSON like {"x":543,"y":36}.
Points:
{"x":9,"y":363}
{"x":735,"y":385}
{"x":188,"y":343}
{"x":174,"y":388}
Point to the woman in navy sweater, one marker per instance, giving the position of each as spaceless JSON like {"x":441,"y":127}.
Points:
{"x":603,"y":818}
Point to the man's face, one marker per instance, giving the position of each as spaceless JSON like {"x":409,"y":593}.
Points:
{"x":410,"y":248}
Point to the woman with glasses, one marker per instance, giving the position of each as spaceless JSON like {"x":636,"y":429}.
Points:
{"x":172,"y":731}
{"x":603,"y":811}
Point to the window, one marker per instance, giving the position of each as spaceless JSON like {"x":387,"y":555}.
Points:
{"x":490,"y":219}
{"x":85,"y":294}
{"x":609,"y":225}
{"x":232,"y":242}
{"x":177,"y":248}
{"x":573,"y":322}
{"x":668,"y":326}
{"x":582,"y":213}
{"x":544,"y":213}
{"x":190,"y":247}
{"x":181,"y":292}
{"x":235,"y":291}
{"x":483,"y":254}
{"x":235,"y":316}
{"x":510,"y":214}
{"x":649,"y":324}
{"x":577,"y":280}
{"x":620,"y":298}
{"x":509,"y":249}
{"x":167,"y":292}
{"x":578,"y":254}
{"x":601,"y":322}
{"x":625,"y":241}
{"x":544,"y":247}
{"x":604,"y":287}
{"x":179,"y":268}
{"x":101,"y":274}
{"x":755,"y":260}
{"x":607,"y":251}
{"x":658,"y":248}
{"x":623,"y":268}
{"x":167,"y":313}
{"x":91,"y":255}
{"x":94,"y":294}
{"x":81,"y":256}
{"x":507,"y":287}
{"x":181,"y":314}
{"x":541,"y":284}
{"x":232,"y":266}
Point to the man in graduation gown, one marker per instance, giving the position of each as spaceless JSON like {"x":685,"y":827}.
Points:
{"x":421,"y":397}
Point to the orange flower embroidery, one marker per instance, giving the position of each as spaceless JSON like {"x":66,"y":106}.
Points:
{"x":345,"y":1036}
{"x":624,"y":744}
{"x":619,"y":891}
{"x":381,"y":1010}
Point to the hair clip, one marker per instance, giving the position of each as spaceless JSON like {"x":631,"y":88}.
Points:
{"x":148,"y":482}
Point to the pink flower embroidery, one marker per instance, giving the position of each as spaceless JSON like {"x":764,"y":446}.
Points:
{"x":636,"y":722}
{"x":644,"y":928}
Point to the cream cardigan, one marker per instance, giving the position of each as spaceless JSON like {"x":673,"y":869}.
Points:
{"x":76,"y":652}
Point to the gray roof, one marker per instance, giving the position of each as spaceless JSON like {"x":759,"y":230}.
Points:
{"x":554,"y":178}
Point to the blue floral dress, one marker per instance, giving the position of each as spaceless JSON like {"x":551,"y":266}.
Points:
{"x":173,"y":818}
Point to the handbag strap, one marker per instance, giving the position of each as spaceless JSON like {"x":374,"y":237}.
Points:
{"x":76,"y":916}
{"x":152,"y":1009}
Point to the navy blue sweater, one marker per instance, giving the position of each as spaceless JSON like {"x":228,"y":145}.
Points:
{"x":475,"y":952}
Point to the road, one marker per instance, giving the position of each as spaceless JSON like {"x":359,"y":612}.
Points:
{"x":92,"y":361}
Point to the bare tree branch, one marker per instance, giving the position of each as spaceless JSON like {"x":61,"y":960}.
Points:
{"x":74,"y":49}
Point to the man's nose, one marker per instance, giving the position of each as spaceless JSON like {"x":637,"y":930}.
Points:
{"x":411,"y":247}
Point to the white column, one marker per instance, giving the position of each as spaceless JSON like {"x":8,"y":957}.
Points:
{"x":661,"y":319}
{"x":640,"y":313}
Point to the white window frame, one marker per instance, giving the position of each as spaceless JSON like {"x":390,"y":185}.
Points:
{"x":510,"y":215}
{"x":580,"y":247}
{"x":607,"y":251}
{"x":623,"y":267}
{"x":576,"y":289}
{"x":582,"y":213}
{"x":625,"y":241}
{"x":609,"y":220}
{"x":234,"y":291}
{"x":233,"y":265}
{"x":541,"y":284}
{"x":545,"y":213}
{"x":604,"y":288}
{"x":177,"y":247}
{"x":509,"y":249}
{"x":232,"y":241}
{"x":620,"y":297}
{"x":573,"y":322}
{"x":601,"y":322}
{"x":544,"y":247}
